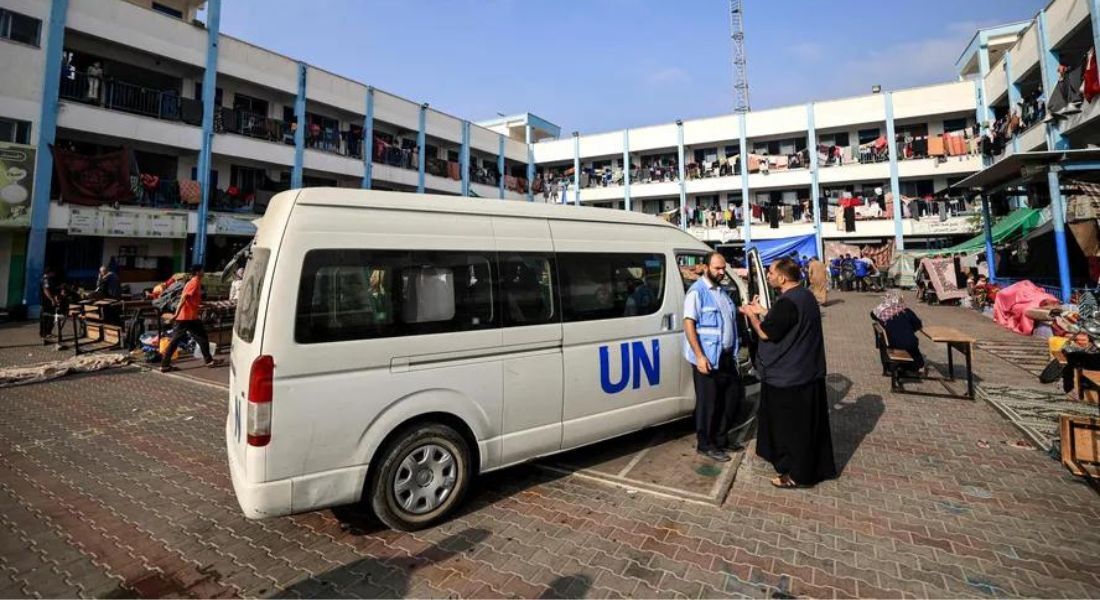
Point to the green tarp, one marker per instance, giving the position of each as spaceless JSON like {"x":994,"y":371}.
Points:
{"x":1016,"y":224}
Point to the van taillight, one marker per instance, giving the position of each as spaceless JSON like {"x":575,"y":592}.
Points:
{"x":259,"y":400}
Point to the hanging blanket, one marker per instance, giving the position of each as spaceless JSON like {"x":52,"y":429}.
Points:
{"x":882,"y":255}
{"x":1012,"y":303}
{"x":941,"y":271}
{"x":93,"y":180}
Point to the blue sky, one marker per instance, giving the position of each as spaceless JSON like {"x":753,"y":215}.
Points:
{"x":598,"y":65}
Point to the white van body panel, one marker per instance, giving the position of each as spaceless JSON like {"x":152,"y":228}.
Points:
{"x":522,"y":392}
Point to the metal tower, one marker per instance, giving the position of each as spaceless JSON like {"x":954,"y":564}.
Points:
{"x":740,"y":70}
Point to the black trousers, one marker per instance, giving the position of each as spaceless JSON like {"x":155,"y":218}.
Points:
{"x":718,"y":396}
{"x":197,"y":333}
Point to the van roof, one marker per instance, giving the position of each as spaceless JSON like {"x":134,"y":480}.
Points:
{"x":353,"y":198}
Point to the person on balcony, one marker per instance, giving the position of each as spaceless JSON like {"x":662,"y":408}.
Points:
{"x":95,"y":79}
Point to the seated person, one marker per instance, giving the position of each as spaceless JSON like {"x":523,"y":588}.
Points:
{"x":901,"y":325}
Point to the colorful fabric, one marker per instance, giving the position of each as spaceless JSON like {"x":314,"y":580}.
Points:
{"x":93,"y":180}
{"x":891,"y":306}
{"x":941,"y":272}
{"x":190,"y":191}
{"x":1012,"y":303}
{"x":882,"y":255}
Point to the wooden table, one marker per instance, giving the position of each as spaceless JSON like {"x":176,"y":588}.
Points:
{"x":955,"y":340}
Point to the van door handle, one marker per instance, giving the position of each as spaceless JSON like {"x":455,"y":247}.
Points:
{"x":666,"y":321}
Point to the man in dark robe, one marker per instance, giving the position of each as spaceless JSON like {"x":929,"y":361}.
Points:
{"x":793,"y":422}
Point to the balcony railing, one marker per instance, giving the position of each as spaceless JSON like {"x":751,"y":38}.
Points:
{"x":129,"y":97}
{"x":255,"y":126}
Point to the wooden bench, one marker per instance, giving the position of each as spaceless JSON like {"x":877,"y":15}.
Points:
{"x":893,"y":359}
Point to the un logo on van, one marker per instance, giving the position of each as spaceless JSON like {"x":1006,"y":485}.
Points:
{"x":633,"y":360}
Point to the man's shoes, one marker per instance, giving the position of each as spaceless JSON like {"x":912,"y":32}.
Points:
{"x":734,"y":447}
{"x":715,"y":455}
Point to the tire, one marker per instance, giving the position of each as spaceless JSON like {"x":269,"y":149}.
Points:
{"x":409,"y":488}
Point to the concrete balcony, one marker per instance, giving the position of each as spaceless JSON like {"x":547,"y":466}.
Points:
{"x":713,"y":185}
{"x":779,"y":180}
{"x":996,"y":83}
{"x":854,"y":172}
{"x":1064,"y":17}
{"x":653,"y":190}
{"x":931,"y":167}
{"x":484,"y":191}
{"x":442,"y":184}
{"x":140,"y":28}
{"x":126,"y":126}
{"x":329,"y":162}
{"x":1034,"y":138}
{"x":238,"y":146}
{"x":611,"y":192}
{"x":875,"y":229}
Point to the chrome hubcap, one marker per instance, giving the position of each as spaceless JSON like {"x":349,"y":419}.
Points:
{"x":425,"y":479}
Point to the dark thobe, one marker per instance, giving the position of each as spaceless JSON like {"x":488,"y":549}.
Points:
{"x":793,"y":432}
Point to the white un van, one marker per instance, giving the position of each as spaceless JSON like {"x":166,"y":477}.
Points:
{"x":388,"y":347}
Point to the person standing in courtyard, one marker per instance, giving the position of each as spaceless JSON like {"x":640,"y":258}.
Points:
{"x":711,"y":344}
{"x":819,"y":283}
{"x":189,"y":322}
{"x":793,"y":422}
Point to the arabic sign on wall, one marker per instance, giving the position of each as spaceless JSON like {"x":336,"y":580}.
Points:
{"x":109,"y":222}
{"x":230,"y":225}
{"x":934,"y":226}
{"x":16,"y":184}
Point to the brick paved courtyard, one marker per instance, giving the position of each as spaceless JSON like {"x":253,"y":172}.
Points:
{"x":115,"y":484}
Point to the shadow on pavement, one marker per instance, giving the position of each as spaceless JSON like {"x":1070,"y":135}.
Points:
{"x":851,"y":420}
{"x":382,"y":577}
{"x":571,"y":586}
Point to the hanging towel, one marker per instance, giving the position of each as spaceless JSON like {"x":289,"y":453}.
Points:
{"x":190,"y":191}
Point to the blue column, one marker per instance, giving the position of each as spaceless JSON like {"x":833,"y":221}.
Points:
{"x":811,"y":148}
{"x":530,"y":165}
{"x":987,"y":228}
{"x":1058,"y":217}
{"x":576,"y":168}
{"x":422,"y":152}
{"x":500,"y":165}
{"x":626,"y":169}
{"x":300,"y":130}
{"x":680,"y":168}
{"x":43,"y":169}
{"x":1048,"y":68}
{"x":464,"y":158}
{"x":368,"y":140}
{"x":746,"y":207}
{"x":209,"y":87}
{"x":1013,"y":96}
{"x":895,"y":187}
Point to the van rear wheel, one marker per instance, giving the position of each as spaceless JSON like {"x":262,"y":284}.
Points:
{"x":423,"y":475}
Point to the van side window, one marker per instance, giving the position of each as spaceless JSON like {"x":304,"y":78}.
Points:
{"x":363,"y":294}
{"x":528,"y":289}
{"x":609,"y":286}
{"x":691,"y":268}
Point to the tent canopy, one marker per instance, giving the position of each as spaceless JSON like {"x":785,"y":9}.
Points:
{"x":772,"y":250}
{"x":1016,"y":224}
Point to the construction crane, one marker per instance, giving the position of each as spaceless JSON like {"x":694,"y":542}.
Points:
{"x":740,"y":69}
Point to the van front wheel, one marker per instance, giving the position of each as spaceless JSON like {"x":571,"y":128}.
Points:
{"x":423,"y":474}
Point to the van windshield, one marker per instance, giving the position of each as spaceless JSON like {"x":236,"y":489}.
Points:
{"x":248,"y":303}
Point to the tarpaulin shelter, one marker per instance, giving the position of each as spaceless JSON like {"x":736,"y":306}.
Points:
{"x":772,"y":250}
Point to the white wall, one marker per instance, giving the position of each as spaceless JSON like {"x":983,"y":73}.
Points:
{"x":140,"y":28}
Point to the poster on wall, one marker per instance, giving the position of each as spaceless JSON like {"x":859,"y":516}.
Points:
{"x":126,"y":223}
{"x":228,"y":225}
{"x":16,"y":184}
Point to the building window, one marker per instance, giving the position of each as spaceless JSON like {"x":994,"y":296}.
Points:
{"x":866,"y":136}
{"x":954,"y":125}
{"x":246,"y":179}
{"x":528,"y":289}
{"x":250,"y":105}
{"x":12,"y":130}
{"x":167,"y":10}
{"x":19,"y":28}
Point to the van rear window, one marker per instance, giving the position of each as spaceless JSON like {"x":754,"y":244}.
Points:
{"x":248,"y":303}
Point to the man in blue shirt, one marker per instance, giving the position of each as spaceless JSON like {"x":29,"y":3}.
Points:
{"x":711,"y":346}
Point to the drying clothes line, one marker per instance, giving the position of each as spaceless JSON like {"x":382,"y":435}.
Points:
{"x":86,"y":363}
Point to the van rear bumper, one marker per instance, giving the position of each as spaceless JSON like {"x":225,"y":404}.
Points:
{"x":297,"y":494}
{"x":260,"y":500}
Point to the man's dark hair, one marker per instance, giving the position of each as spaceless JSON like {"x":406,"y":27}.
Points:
{"x":710,"y":256}
{"x":196,"y":269}
{"x":788,"y":268}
